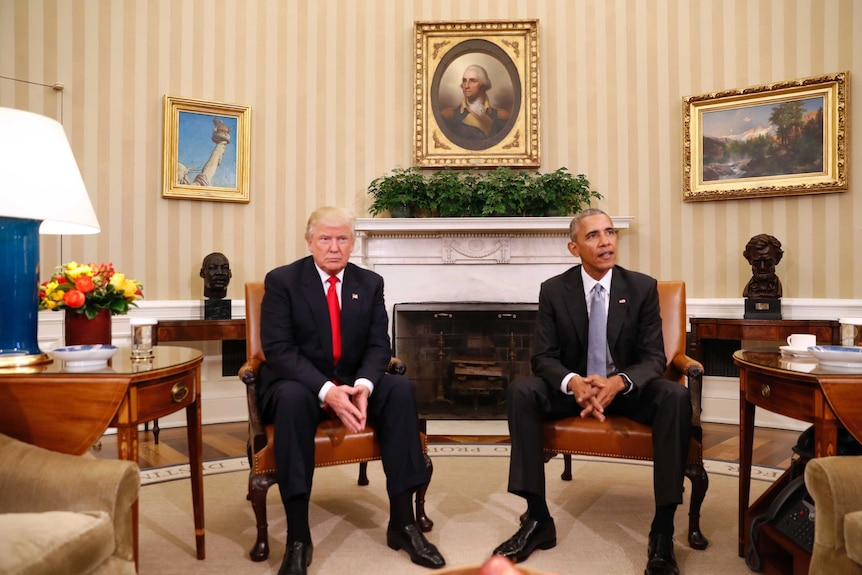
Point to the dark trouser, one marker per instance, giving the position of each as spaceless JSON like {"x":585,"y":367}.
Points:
{"x":392,"y":410}
{"x":662,"y":404}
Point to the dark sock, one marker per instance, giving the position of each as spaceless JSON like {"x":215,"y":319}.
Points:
{"x":401,"y":510}
{"x":663,"y":520}
{"x":296,"y":510}
{"x":537,"y":508}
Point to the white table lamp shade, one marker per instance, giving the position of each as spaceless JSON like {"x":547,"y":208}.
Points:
{"x":39,"y":178}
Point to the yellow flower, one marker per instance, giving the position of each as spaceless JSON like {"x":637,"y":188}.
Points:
{"x":56,"y":296}
{"x":74,"y":270}
{"x":130,"y":289}
{"x":117,"y":280}
{"x":50,"y":304}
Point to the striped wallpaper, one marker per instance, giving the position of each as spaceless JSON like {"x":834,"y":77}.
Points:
{"x":329,"y":83}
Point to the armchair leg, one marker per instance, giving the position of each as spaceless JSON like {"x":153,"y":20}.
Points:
{"x":425,"y":524}
{"x":257,"y":487}
{"x":699,"y":485}
{"x":363,"y":474}
{"x":567,"y":467}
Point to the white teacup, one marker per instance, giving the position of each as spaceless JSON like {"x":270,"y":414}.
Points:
{"x":801,"y":340}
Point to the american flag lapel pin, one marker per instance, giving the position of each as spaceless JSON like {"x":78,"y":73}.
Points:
{"x":623,"y":300}
{"x":354,"y":296}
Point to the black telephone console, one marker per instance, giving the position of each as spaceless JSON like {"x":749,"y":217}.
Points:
{"x":792,"y":513}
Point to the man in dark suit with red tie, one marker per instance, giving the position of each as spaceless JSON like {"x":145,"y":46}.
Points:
{"x":626,"y":377}
{"x":310,"y":309}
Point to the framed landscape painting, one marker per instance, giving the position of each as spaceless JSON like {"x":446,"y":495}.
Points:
{"x":777,"y":139}
{"x":476,"y":88}
{"x":206,"y":150}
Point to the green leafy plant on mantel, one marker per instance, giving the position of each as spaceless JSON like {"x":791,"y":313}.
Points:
{"x":406,"y":192}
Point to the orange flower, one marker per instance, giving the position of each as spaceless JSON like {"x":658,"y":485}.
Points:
{"x":74,"y":299}
{"x":84,"y":284}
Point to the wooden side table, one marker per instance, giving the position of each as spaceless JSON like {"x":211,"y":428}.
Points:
{"x":199,"y":330}
{"x":174,"y":330}
{"x":822,"y":396}
{"x":777,"y":330}
{"x":67,"y":410}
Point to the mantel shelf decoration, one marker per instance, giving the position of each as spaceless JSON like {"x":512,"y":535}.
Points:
{"x":89,"y":294}
{"x":407,"y":192}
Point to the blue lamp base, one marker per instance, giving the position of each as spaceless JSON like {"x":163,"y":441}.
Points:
{"x":19,"y":258}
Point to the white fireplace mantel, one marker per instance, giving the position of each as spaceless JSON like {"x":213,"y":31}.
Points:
{"x":465,"y":259}
{"x":470,"y":241}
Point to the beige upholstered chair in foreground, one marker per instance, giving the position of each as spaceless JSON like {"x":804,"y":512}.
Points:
{"x":333,"y":444}
{"x":835,"y":484}
{"x":624,"y":438}
{"x":65,"y":514}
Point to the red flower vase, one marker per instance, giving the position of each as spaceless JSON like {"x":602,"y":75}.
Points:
{"x":82,"y":331}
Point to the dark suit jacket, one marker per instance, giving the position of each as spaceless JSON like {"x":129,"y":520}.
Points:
{"x":634,"y":327}
{"x":295,"y":331}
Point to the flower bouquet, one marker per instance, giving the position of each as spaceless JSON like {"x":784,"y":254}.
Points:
{"x":89,"y":289}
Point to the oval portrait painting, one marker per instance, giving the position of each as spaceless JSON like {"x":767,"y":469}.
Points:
{"x":476,"y":94}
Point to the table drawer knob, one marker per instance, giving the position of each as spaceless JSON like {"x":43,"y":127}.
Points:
{"x":179,"y":392}
{"x":765,"y":391}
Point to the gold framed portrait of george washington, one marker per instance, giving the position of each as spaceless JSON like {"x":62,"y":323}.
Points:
{"x":477,"y":93}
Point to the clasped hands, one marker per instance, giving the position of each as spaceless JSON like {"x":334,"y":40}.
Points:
{"x":350,"y":404}
{"x":594,"y":393}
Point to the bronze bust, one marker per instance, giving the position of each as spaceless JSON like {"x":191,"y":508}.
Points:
{"x":763,"y":252}
{"x":215,"y":270}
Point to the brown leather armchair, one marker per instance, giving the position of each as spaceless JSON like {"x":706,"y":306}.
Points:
{"x":333,"y":444}
{"x":624,"y":438}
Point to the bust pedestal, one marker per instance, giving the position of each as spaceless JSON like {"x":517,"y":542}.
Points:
{"x":216,"y":309}
{"x":762,"y":308}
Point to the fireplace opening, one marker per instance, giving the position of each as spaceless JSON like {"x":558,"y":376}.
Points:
{"x":461,"y":356}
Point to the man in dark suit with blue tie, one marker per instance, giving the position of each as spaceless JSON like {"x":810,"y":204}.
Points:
{"x":306,"y":371}
{"x":588,"y":367}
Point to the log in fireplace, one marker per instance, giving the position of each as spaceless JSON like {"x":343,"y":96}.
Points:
{"x":461,"y":356}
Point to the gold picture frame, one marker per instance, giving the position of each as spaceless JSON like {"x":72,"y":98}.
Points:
{"x":785,"y":138}
{"x":503,"y":132}
{"x":207,"y":146}
{"x":780,"y":139}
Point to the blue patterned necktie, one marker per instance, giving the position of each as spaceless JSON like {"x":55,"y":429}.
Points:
{"x":597,"y":346}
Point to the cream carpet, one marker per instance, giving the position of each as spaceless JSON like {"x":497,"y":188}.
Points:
{"x":602,"y":518}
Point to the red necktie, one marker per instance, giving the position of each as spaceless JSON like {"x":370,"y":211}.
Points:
{"x":334,"y":318}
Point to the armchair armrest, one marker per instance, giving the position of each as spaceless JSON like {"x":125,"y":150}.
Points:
{"x":34,"y":480}
{"x":249,"y":373}
{"x":693,"y":370}
{"x":835,"y":487}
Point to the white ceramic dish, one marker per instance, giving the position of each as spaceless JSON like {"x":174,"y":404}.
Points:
{"x":838,"y":356}
{"x":85,"y":356}
{"x":804,"y":364}
{"x":795,"y":351}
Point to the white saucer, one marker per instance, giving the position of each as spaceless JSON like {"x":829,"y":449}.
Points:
{"x":855,"y":367}
{"x":796,"y":351}
{"x":85,"y":356}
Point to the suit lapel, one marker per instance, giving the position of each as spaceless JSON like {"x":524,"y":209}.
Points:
{"x":576,"y":304}
{"x":350,"y":305}
{"x":617,"y":305}
{"x":312,"y":290}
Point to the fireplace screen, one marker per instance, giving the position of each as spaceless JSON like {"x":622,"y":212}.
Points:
{"x":461,"y":356}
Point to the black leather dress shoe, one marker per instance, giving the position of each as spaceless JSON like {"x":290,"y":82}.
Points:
{"x":531,"y":536}
{"x":660,"y":557}
{"x":297,"y":558}
{"x":411,"y":539}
